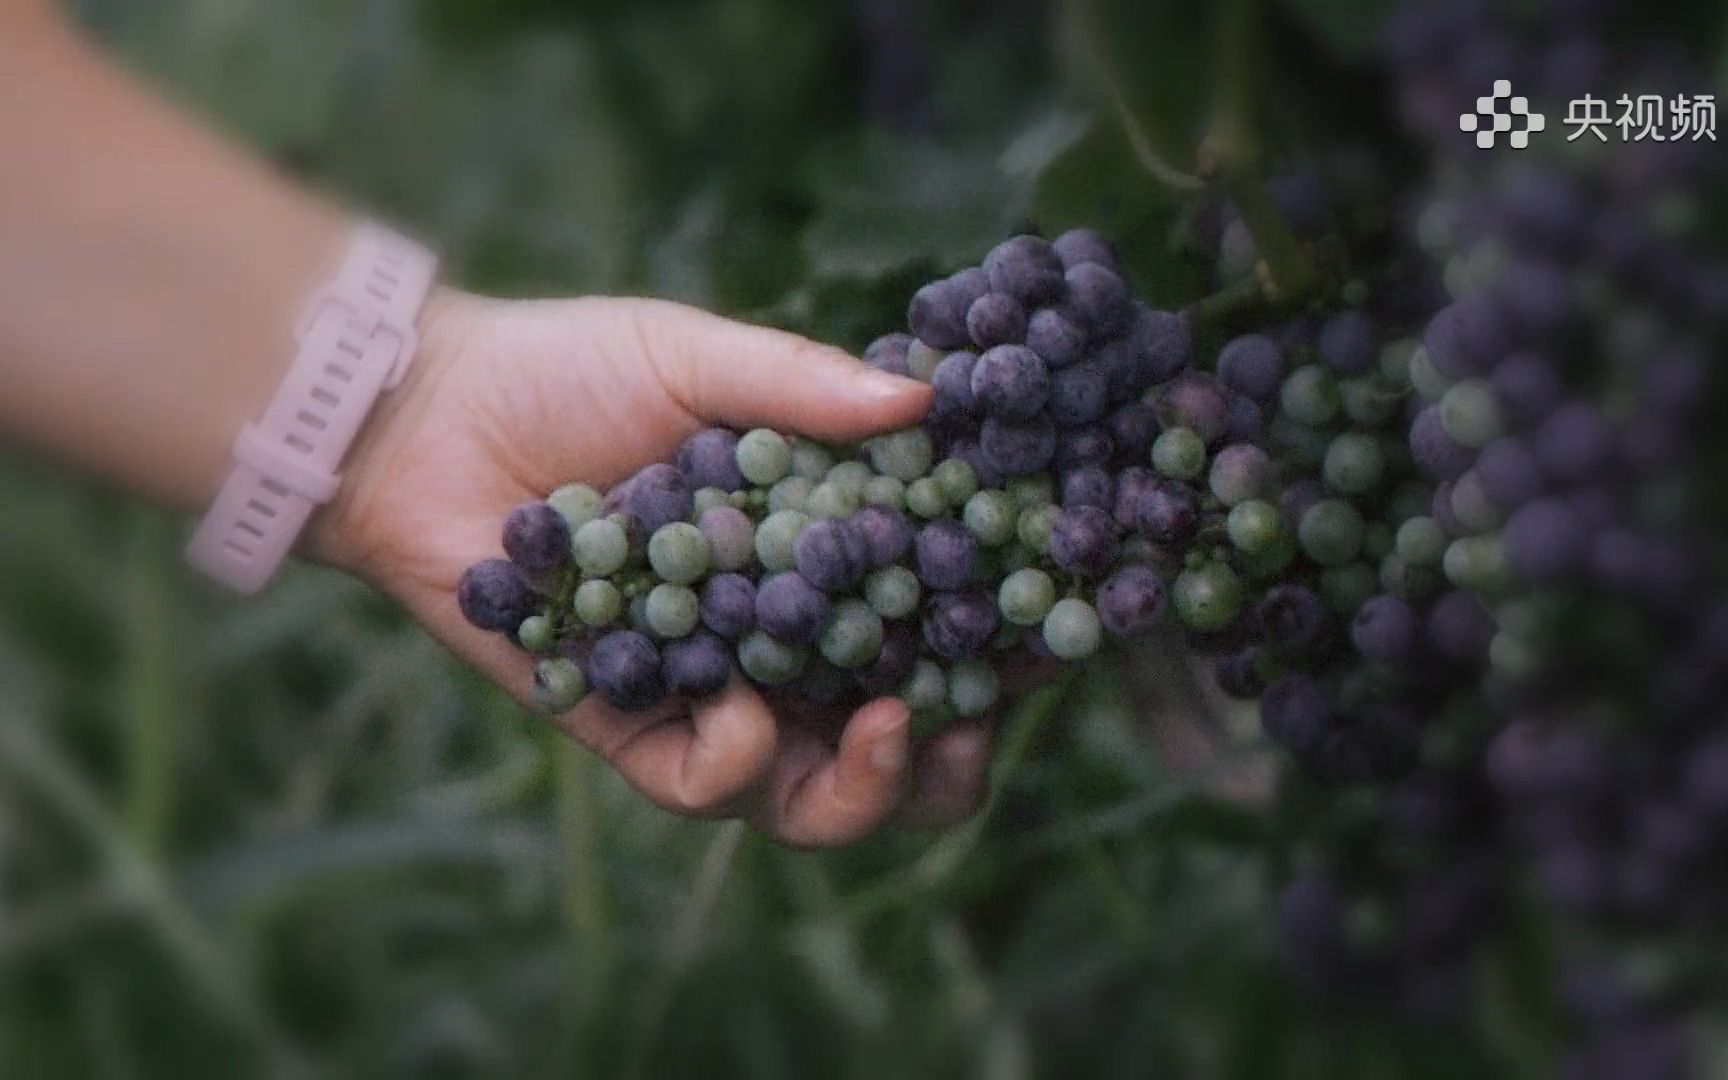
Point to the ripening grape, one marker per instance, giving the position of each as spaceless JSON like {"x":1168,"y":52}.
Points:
{"x":537,"y":538}
{"x":790,"y":608}
{"x":1310,"y":396}
{"x":1240,"y":472}
{"x":776,"y":536}
{"x":996,"y":319}
{"x":1254,"y":526}
{"x":625,"y":669}
{"x":1252,"y":365}
{"x":770,"y":661}
{"x":1129,"y":602}
{"x":493,"y":595}
{"x":1331,"y":532}
{"x":991,"y":517}
{"x":697,"y":667}
{"x":1084,"y":541}
{"x":1353,"y":464}
{"x":1026,"y":268}
{"x":946,"y":554}
{"x":558,"y":685}
{"x":1208,"y":598}
{"x":1011,"y":382}
{"x":926,"y":687}
{"x":959,"y":624}
{"x":536,"y":634}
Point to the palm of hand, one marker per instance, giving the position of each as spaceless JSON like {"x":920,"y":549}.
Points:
{"x":511,"y":400}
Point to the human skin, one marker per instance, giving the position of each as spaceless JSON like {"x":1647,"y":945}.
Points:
{"x":150,"y":275}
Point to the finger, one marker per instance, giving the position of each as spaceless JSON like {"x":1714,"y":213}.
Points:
{"x":819,"y":798}
{"x":699,"y":766}
{"x":749,"y":376}
{"x":950,"y":779}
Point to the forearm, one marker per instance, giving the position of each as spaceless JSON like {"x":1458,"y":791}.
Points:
{"x":149,"y":275}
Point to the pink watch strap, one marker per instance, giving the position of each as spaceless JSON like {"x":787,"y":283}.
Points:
{"x":356,"y":341}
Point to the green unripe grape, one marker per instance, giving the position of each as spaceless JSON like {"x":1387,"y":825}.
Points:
{"x":904,"y":455}
{"x":1475,"y":511}
{"x":885,"y":491}
{"x":1477,"y":563}
{"x":764,"y":456}
{"x":791,"y":493}
{"x":1208,"y":598}
{"x":1026,"y":596}
{"x":1036,"y":489}
{"x":853,"y":636}
{"x":1309,"y":396}
{"x":925,"y":688}
{"x":1353,"y":464}
{"x":1254,"y":526}
{"x":893,"y":592}
{"x":1513,"y":655}
{"x":731,"y":541}
{"x":852,"y":476}
{"x":638,"y":616}
{"x":602,"y":546}
{"x":578,"y":503}
{"x":811,"y":460}
{"x":1428,"y":383}
{"x":924,"y":497}
{"x":1470,"y":413}
{"x":1272,"y":560}
{"x":1395,"y":360}
{"x":956,"y":479}
{"x":673,"y":610}
{"x":775,"y":537}
{"x":769,"y":661}
{"x":1331,"y":532}
{"x":1421,"y":541}
{"x":1346,"y":588}
{"x":921,"y":360}
{"x":1369,"y":402}
{"x":707,"y":499}
{"x":991,"y":516}
{"x":598,"y":603}
{"x":558,"y":685}
{"x":1034,"y":527}
{"x":1179,"y":454}
{"x":536,"y":634}
{"x":1072,"y":629}
{"x":832,"y":500}
{"x":973,"y":687}
{"x":679,"y":553}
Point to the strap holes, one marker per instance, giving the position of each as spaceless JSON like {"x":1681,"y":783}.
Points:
{"x":313,"y":420}
{"x":325,"y":397}
{"x":300,"y":442}
{"x":262,"y":509}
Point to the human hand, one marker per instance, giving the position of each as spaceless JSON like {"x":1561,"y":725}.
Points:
{"x":509,"y":400}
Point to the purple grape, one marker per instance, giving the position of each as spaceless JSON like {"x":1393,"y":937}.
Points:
{"x":625,"y":669}
{"x":791,"y":609}
{"x":959,"y":625}
{"x":1537,"y":298}
{"x":1349,"y":343}
{"x":1251,"y":365}
{"x":946,"y":555}
{"x":1025,"y":268}
{"x":1440,"y":509}
{"x":1468,"y":337}
{"x":1055,"y":338}
{"x":729,"y":605}
{"x":1296,"y":714}
{"x":1238,"y":673}
{"x":1079,"y":395}
{"x":1574,"y":443}
{"x":658,"y":496}
{"x":1247,"y":420}
{"x":710,"y":459}
{"x":494,"y":596}
{"x":888,"y":353}
{"x":886,"y":533}
{"x":1162,"y":341}
{"x":1195,"y":402}
{"x":1124,"y":370}
{"x":698,"y":666}
{"x":537,"y":539}
{"x":951,"y":384}
{"x":972,"y":453}
{"x":1010,"y":381}
{"x":1131,"y":601}
{"x":1460,"y":627}
{"x":1291,"y":619}
{"x":1297,"y":498}
{"x":1542,"y":210}
{"x":1384,"y":629}
{"x":831,"y":555}
{"x":1528,"y":387}
{"x":1154,"y":507}
{"x":1078,"y":246}
{"x":1083,"y":447}
{"x":937,"y":314}
{"x":1099,"y":297}
{"x":1133,"y":427}
{"x":1090,"y":486}
{"x":1239,"y":472}
{"x":1084,"y":541}
{"x":1015,"y":448}
{"x":1509,"y":473}
{"x":1437,"y":454}
{"x":996,"y":319}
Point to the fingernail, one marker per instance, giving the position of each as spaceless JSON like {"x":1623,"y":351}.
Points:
{"x":881,"y":385}
{"x":889,"y":753}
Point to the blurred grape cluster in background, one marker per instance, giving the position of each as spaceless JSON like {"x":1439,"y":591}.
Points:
{"x":290,"y":836}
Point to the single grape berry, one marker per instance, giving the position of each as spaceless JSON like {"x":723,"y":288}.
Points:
{"x":1195,"y":402}
{"x":1240,"y":472}
{"x":1079,"y":395}
{"x":1157,"y":508}
{"x":730,"y":535}
{"x":885,"y":532}
{"x":579,"y":504}
{"x":1017,"y":447}
{"x":1088,"y":446}
{"x":728,"y":606}
{"x":1310,"y":396}
{"x":1331,"y":532}
{"x":625,"y":668}
{"x":1348,"y":343}
{"x":769,"y":661}
{"x":1011,"y":382}
{"x":894,"y":663}
{"x":1208,"y":598}
{"x":763,"y":456}
{"x":1072,"y":629}
{"x":1254,"y":526}
{"x":1089,"y":486}
{"x":1162,"y":341}
{"x":710,"y":459}
{"x":598,"y":602}
{"x":904,"y":455}
{"x":832,"y":555}
{"x":658,"y":495}
{"x":1056,"y":338}
{"x":1099,"y":298}
{"x":697,"y":667}
{"x":885,"y":491}
{"x":1436,"y":452}
{"x":925,"y":688}
{"x":1470,"y":414}
{"x":1291,"y":618}
{"x":1026,"y":268}
{"x":1384,"y":629}
{"x":1467,"y":337}
{"x":1295,"y":713}
{"x":1545,"y":540}
{"x":672,"y":611}
{"x":1026,"y":596}
{"x":1509,"y":473}
{"x":791,"y":608}
{"x":790,"y":493}
{"x":991,"y":517}
{"x":1420,"y":541}
{"x":1077,"y":246}
{"x":1131,"y":601}
{"x":536,"y":634}
{"x":1084,"y":541}
{"x":810,"y":460}
{"x":1033,"y":528}
{"x":494,"y":596}
{"x":1132,"y":428}
{"x":893,"y":591}
{"x":937,"y":314}
{"x":946,"y":554}
{"x":853,"y":635}
{"x":973,"y":688}
{"x":1179,"y":454}
{"x":537,"y":539}
{"x":888,"y":353}
{"x":679,"y":553}
{"x":1251,"y":365}
{"x":830,"y":499}
{"x":996,"y":319}
{"x":960,"y":624}
{"x":1354,"y":464}
{"x":776,"y":536}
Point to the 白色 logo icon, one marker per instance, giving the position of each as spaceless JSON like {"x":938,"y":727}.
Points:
{"x":1517,"y":119}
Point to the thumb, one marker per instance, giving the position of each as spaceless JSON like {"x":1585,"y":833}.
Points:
{"x":744,"y":376}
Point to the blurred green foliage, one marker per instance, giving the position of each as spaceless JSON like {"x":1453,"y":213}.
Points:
{"x":289,"y":836}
